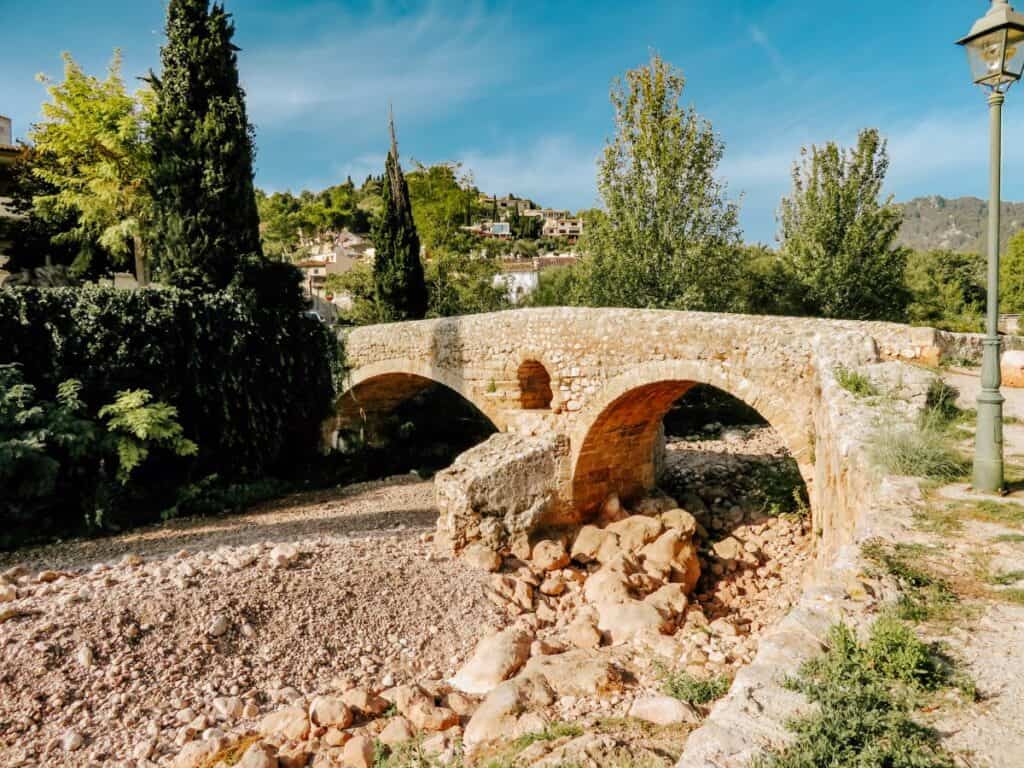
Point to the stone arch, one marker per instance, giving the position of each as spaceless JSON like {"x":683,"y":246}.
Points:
{"x":614,"y":438}
{"x":373,"y":391}
{"x":534,"y":385}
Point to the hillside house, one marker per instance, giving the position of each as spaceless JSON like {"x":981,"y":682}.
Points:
{"x":567,"y":228}
{"x":520,"y":277}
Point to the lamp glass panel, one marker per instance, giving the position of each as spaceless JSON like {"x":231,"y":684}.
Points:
{"x":1014,"y":59}
{"x":985,"y":55}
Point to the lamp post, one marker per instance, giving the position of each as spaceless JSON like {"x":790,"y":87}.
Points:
{"x":995,"y":51}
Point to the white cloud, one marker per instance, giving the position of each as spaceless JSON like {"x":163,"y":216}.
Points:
{"x":426,"y":63}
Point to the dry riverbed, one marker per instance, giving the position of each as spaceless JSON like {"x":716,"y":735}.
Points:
{"x":124,"y":650}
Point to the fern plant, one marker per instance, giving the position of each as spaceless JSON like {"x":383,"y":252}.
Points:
{"x":35,"y":434}
{"x":136,"y":426}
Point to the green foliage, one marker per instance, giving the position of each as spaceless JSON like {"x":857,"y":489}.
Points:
{"x":401,"y":292}
{"x":1009,"y":538}
{"x":947,"y":290}
{"x":925,"y":595}
{"x":557,"y":287}
{"x":550,"y":733}
{"x":204,"y":206}
{"x":694,"y":690}
{"x":283,"y":216}
{"x":46,"y":244}
{"x":93,"y":135}
{"x":866,"y":696}
{"x":210,"y":496}
{"x":917,"y":453}
{"x":138,"y":426}
{"x":358,"y":285}
{"x":35,"y":435}
{"x":252,"y":385}
{"x":768,"y":284}
{"x":443,"y":199}
{"x":855,"y":382}
{"x":840,"y":238}
{"x":1011,"y":275}
{"x":458,"y":284}
{"x":668,"y":238}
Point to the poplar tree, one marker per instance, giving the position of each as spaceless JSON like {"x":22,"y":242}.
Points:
{"x":839,"y":235}
{"x":668,"y":237}
{"x":204,"y":206}
{"x":397,"y":270}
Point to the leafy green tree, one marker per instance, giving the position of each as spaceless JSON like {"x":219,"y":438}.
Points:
{"x":839,"y":235}
{"x":458,"y":284}
{"x":556,"y":287}
{"x":46,"y":239}
{"x":947,"y":290}
{"x":204,"y":214}
{"x":93,"y":156}
{"x":668,"y":236}
{"x":442,"y":198}
{"x":397,"y":269}
{"x":768,"y":285}
{"x":1011,"y":275}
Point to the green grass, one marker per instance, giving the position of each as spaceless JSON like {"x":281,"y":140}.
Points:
{"x":855,"y":382}
{"x":926,"y":596}
{"x":928,"y":448}
{"x":867,"y":694}
{"x":1009,"y":538}
{"x":1005,"y":579}
{"x":1011,"y":595}
{"x":693,"y":690}
{"x":920,"y":451}
{"x":550,"y":733}
{"x":996,"y":512}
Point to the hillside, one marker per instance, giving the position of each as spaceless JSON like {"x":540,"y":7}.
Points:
{"x":958,"y":224}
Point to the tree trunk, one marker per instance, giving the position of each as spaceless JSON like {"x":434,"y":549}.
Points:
{"x":141,"y":267}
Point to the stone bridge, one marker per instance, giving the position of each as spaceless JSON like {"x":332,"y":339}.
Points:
{"x":604,"y":378}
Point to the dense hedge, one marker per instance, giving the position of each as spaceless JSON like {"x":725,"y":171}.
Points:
{"x":251,"y":385}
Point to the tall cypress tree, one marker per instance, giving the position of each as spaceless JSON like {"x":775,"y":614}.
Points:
{"x":205,"y":217}
{"x":397,"y":269}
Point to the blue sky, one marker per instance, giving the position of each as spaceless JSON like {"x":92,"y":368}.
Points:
{"x":518,"y":92}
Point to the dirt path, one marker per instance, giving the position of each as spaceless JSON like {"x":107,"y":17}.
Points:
{"x":981,"y":543}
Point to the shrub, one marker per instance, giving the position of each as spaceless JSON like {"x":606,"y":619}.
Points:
{"x":693,"y":690}
{"x":249,"y":384}
{"x":918,"y":453}
{"x":855,"y":382}
{"x":866,"y":695}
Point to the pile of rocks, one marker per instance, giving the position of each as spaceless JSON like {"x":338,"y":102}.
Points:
{"x":593,"y":616}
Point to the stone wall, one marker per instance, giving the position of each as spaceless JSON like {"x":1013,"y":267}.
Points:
{"x":853,"y":502}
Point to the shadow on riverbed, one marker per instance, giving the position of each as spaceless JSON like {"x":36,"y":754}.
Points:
{"x":363,"y":511}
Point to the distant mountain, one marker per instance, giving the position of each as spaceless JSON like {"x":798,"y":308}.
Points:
{"x":961,"y":224}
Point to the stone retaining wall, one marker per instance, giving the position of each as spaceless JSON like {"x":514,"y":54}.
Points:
{"x":854,"y":502}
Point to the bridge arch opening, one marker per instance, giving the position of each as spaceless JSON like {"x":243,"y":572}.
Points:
{"x":653,"y":435}
{"x":534,"y":386}
{"x":721,"y":461}
{"x":406,"y":421}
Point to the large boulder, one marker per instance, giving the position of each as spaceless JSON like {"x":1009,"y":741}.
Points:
{"x":578,"y":672}
{"x":498,"y":491}
{"x":497,"y":716}
{"x":495,"y":659}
